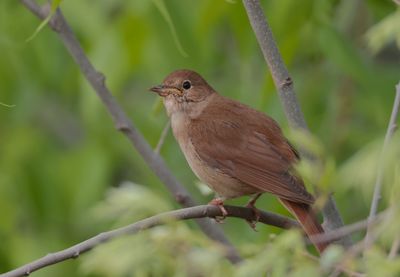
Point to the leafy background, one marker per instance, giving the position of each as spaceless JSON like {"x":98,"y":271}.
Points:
{"x":66,"y":174}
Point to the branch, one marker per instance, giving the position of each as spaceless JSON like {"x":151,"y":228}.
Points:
{"x":182,"y":214}
{"x":287,"y":95}
{"x":379,"y":177}
{"x":123,"y":124}
{"x":283,"y":81}
{"x":347,"y":230}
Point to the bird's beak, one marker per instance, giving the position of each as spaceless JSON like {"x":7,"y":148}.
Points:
{"x":163,"y":90}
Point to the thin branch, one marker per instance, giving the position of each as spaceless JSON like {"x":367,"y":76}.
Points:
{"x":347,"y":229}
{"x":379,"y":178}
{"x":284,"y":84}
{"x":163,"y":136}
{"x":123,"y":124}
{"x":182,"y":214}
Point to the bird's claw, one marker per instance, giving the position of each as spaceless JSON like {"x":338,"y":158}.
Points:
{"x":253,"y":223}
{"x":220,"y":204}
{"x":256,"y":212}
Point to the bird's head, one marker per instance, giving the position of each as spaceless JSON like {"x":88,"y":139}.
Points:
{"x":182,"y":90}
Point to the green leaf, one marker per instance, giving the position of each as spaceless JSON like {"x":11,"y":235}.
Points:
{"x":160,"y":5}
{"x":54,"y":5}
{"x":342,"y":53}
{"x":331,"y":257}
{"x":384,"y":32}
{"x":7,"y":105}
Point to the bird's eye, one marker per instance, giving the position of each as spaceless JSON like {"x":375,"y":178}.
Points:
{"x":186,"y":84}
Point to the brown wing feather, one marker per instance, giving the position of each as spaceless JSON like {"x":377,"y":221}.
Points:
{"x":261,"y":157}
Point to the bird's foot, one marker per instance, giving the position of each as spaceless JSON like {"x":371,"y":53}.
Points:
{"x":220,"y":204}
{"x":256,"y":212}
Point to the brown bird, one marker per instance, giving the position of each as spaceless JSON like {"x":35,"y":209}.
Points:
{"x":233,"y":148}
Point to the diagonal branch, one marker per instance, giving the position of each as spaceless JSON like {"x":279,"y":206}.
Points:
{"x":280,"y":75}
{"x":182,"y":214}
{"x":123,"y":124}
{"x":284,"y":84}
{"x":379,"y":178}
{"x":348,"y":229}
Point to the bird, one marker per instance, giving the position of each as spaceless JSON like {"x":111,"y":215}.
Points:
{"x":235,"y":149}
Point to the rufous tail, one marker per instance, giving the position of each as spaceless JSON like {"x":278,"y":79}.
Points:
{"x":308,"y":220}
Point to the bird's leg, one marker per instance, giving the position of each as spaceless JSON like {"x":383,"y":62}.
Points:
{"x":219,"y":202}
{"x":256,"y":211}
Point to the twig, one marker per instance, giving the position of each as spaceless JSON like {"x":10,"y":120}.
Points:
{"x":347,"y":229}
{"x":122,"y":122}
{"x":163,"y":136}
{"x":182,"y":214}
{"x":284,"y":84}
{"x":378,"y":184}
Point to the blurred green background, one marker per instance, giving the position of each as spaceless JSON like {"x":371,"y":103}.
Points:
{"x":60,"y":154}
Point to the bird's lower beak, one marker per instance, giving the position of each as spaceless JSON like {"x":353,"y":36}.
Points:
{"x":163,"y":90}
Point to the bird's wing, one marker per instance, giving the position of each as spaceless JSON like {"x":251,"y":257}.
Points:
{"x":250,"y":147}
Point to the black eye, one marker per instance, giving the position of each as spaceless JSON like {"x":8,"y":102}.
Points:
{"x":186,"y":84}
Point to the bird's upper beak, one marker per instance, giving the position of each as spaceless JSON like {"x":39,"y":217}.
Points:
{"x":164,"y":90}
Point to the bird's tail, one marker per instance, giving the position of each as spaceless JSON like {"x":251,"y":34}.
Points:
{"x":308,"y":220}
